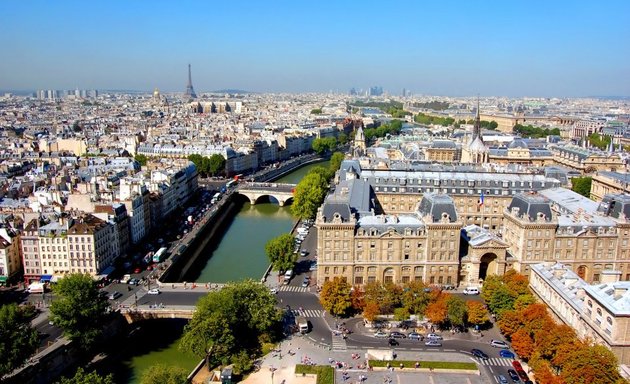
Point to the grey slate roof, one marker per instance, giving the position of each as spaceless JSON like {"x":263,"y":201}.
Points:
{"x":436,"y":205}
{"x":530,"y":206}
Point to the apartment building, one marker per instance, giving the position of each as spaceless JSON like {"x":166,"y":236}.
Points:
{"x":606,"y":182}
{"x":597,"y":312}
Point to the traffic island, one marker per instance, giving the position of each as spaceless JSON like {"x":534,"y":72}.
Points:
{"x":425,"y":366}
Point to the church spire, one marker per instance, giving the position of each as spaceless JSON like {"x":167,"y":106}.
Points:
{"x":477,"y":126}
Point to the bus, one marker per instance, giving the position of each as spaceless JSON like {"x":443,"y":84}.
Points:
{"x":159,"y":255}
{"x":216,"y":197}
{"x":230,"y":184}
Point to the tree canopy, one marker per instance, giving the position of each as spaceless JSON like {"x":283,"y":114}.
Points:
{"x":79,"y":309}
{"x":279,"y":250}
{"x":435,"y":105}
{"x":324,"y":144}
{"x":393,"y":128}
{"x":18,"y":340}
{"x":599,"y":141}
{"x":534,"y":132}
{"x":141,"y":159}
{"x":477,"y":314}
{"x":335,"y":161}
{"x":238,"y":318}
{"x":316,"y":111}
{"x":208,"y":166}
{"x":162,"y":374}
{"x":309,"y":194}
{"x":335,"y":297}
{"x":582,"y":185}
{"x":82,"y":377}
{"x":421,"y":118}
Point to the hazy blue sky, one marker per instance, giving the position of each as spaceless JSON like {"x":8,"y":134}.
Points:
{"x":512,"y":48}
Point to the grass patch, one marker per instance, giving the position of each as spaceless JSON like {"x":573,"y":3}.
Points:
{"x":325,"y":374}
{"x":424,"y":364}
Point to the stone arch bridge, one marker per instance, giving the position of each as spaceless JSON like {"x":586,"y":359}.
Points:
{"x":283,"y":193}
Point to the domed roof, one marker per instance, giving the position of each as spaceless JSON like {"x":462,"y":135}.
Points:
{"x":477,"y":146}
{"x":518,"y":143}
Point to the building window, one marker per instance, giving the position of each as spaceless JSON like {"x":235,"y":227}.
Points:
{"x":358,"y":280}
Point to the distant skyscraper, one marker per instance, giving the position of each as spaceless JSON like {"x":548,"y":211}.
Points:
{"x":404,"y":92}
{"x":353,"y":92}
{"x":190,"y":91}
{"x":375,"y":91}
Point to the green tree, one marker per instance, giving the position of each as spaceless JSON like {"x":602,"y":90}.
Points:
{"x":216,"y":164}
{"x":162,"y":374}
{"x":335,"y":161}
{"x":386,"y":295}
{"x":582,"y":185}
{"x":309,"y":195}
{"x":401,"y":314}
{"x":197,"y":160}
{"x":599,"y":141}
{"x":456,"y":308}
{"x":79,"y":309}
{"x":414,"y":298}
{"x":336,"y":297}
{"x":18,"y":340}
{"x":237,"y":318}
{"x":279,"y":250}
{"x":81,"y":377}
{"x":141,"y":159}
{"x":316,"y":111}
{"x":342,"y":138}
{"x":319,"y":146}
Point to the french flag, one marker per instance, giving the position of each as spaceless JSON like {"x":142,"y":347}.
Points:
{"x":481,"y":199}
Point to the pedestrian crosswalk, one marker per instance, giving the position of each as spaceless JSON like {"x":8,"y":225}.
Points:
{"x":308,"y":312}
{"x":494,"y":361}
{"x":339,"y":343}
{"x":290,"y":288}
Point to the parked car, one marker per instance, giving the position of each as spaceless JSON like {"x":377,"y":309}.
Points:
{"x":381,"y":334}
{"x":303,"y":253}
{"x":517,"y":365}
{"x":415,"y":336}
{"x":479,"y":353}
{"x":502,"y":379}
{"x":471,"y":291}
{"x":507,"y":354}
{"x":305,"y":281}
{"x":522,"y":375}
{"x":134,"y":281}
{"x":513,"y":376}
{"x":154,"y":291}
{"x":499,"y":344}
{"x":433,"y":343}
{"x":397,"y":335}
{"x":434,"y":336}
{"x":273,"y":291}
{"x":392,"y":342}
{"x":448,"y":287}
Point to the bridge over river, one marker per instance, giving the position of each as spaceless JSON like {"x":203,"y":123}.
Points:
{"x":282,"y":193}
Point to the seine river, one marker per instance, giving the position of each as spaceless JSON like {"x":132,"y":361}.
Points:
{"x":238,"y":256}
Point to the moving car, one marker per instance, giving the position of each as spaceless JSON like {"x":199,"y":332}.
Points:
{"x":134,"y":281}
{"x":305,"y":281}
{"x":433,"y":343}
{"x":479,"y":353}
{"x":507,"y":354}
{"x":273,"y":291}
{"x":381,"y":334}
{"x":397,"y":335}
{"x":392,"y":342}
{"x":114,"y":295}
{"x":502,"y":379}
{"x":499,"y":344}
{"x":303,"y":253}
{"x":513,"y":375}
{"x":154,"y":291}
{"x":415,"y":336}
{"x":434,"y":336}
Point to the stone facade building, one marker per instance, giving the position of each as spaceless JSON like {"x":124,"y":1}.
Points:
{"x":599,"y":312}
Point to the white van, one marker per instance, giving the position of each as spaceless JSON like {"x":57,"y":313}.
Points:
{"x":287,"y":276}
{"x":471,"y":291}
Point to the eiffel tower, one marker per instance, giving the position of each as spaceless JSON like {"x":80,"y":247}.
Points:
{"x":190,"y":91}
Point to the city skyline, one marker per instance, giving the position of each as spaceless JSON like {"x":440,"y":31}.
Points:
{"x":453,"y":49}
